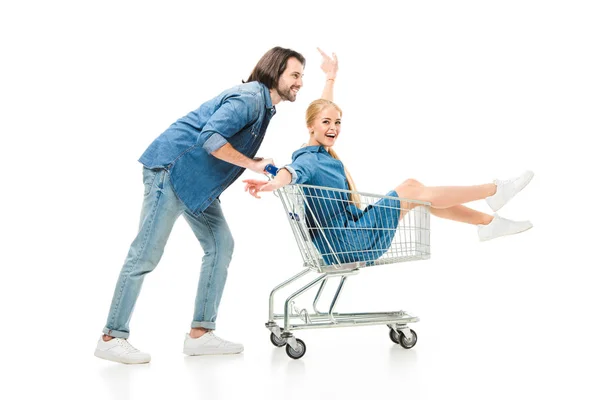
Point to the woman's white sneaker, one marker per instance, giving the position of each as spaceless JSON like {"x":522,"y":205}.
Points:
{"x":506,"y":190}
{"x":209,"y":343}
{"x":501,"y":227}
{"x":120,"y":350}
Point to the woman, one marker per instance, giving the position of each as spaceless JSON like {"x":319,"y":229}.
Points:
{"x":354,"y":234}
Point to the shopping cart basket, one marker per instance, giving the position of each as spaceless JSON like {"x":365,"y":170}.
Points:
{"x":379,"y":230}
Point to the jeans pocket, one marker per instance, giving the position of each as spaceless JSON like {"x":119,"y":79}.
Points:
{"x":149,"y":179}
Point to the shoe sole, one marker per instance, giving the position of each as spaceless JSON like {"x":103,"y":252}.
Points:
{"x":215,"y":352}
{"x":108,"y":356}
{"x":506,"y":234}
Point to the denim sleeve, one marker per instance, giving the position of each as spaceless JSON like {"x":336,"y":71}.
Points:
{"x":302,"y":169}
{"x":232,"y":116}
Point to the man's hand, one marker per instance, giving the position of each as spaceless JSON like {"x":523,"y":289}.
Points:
{"x":254,"y":186}
{"x":259,"y":165}
{"x":329,"y":65}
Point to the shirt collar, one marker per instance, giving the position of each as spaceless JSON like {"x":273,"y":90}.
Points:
{"x":268,"y":103}
{"x":308,"y":149}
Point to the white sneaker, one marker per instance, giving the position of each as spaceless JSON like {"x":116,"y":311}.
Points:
{"x":120,"y":350}
{"x":506,"y":190}
{"x":209,"y":343}
{"x":501,"y":227}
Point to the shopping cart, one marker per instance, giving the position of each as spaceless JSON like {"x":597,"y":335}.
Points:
{"x":377,"y":230}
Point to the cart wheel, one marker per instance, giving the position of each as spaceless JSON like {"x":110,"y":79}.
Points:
{"x":394,"y":336}
{"x":406,"y":343}
{"x":279,"y":342}
{"x":296,"y":354}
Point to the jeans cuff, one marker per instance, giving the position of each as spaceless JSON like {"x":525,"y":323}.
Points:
{"x":113,"y":333}
{"x":204,"y":324}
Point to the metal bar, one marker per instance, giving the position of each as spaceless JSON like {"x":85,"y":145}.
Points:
{"x":335,"y":298}
{"x":343,"y":324}
{"x":318,"y":296}
{"x":286,"y":308}
{"x":362,"y":314}
{"x":379,"y":196}
{"x":285,"y":283}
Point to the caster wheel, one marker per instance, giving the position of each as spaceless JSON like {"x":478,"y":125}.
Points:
{"x":408,"y":343}
{"x":394,"y":336}
{"x":279,"y":342}
{"x":296,"y":354}
{"x":400,"y":338}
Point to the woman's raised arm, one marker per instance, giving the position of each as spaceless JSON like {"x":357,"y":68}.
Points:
{"x":329,"y":65}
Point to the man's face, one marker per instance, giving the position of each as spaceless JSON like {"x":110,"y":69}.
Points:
{"x":291,"y":80}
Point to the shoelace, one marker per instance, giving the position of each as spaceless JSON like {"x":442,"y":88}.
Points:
{"x":499,"y":182}
{"x":212,"y":335}
{"x":124,"y":343}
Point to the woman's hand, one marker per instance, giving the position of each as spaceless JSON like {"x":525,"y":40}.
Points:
{"x":329,"y":65}
{"x":254,"y":186}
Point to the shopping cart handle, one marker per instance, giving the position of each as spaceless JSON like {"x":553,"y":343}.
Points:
{"x":271,"y":169}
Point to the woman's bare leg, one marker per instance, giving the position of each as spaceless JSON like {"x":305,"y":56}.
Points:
{"x":444,"y":196}
{"x":462,"y":214}
{"x":455,"y":213}
{"x":486,"y":228}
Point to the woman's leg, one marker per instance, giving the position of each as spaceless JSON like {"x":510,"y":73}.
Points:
{"x":488,"y":227}
{"x":444,"y":196}
{"x":462,"y":214}
{"x":455,"y":213}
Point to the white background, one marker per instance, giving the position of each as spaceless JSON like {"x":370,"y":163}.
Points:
{"x":446,"y":92}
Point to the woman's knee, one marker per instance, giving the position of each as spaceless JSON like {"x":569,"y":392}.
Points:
{"x":409,"y":186}
{"x":409,"y":192}
{"x":409,"y":189}
{"x":411,"y":182}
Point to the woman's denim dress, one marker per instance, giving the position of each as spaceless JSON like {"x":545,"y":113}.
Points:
{"x":347,"y":233}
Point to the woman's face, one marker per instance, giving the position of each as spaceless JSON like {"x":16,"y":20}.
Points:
{"x":325,"y":128}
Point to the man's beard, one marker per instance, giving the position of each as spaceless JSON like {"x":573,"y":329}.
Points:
{"x":286,"y":94}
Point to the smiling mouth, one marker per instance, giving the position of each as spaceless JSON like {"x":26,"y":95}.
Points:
{"x":330,"y":135}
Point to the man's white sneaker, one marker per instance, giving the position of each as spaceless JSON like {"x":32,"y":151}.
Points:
{"x":209,"y":343}
{"x":501,"y":227}
{"x":506,"y":190}
{"x":120,"y":350}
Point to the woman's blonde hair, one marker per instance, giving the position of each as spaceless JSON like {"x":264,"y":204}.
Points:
{"x":313,"y":110}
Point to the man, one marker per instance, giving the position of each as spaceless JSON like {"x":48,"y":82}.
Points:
{"x":185,"y":170}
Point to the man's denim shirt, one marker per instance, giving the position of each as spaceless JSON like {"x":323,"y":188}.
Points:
{"x":239,"y":115}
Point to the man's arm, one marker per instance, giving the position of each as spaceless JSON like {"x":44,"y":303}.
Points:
{"x":229,"y":154}
{"x":235,"y":113}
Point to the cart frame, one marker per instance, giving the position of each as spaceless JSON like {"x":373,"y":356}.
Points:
{"x":411,"y":242}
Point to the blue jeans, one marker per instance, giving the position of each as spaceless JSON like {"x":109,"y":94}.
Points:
{"x":160,"y":210}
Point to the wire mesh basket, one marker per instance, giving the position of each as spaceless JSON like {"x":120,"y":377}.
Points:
{"x":339,"y":229}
